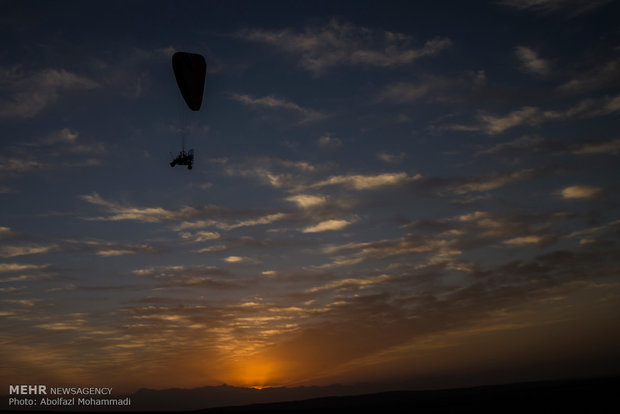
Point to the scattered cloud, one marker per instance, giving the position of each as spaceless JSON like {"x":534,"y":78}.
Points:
{"x":201,"y":236}
{"x":173,"y":271}
{"x":6,"y":233}
{"x":525,"y":240}
{"x":27,"y":94}
{"x":147,"y":214}
{"x":240,"y":260}
{"x":532,"y":116}
{"x":486,"y":228}
{"x":592,"y":230}
{"x":15,"y":251}
{"x":328,"y":225}
{"x":367,"y":182}
{"x":603,"y":75}
{"x":351,"y":284}
{"x":600,"y":147}
{"x":336,"y":44}
{"x":18,"y":165}
{"x":327,"y":141}
{"x":570,"y":7}
{"x":391,"y":158}
{"x":306,"y":115}
{"x":64,"y":135}
{"x":19,"y":267}
{"x":435,"y":88}
{"x":307,"y":200}
{"x":531,"y":62}
{"x":524,"y":143}
{"x":58,"y":149}
{"x":402,"y":92}
{"x":494,"y":181}
{"x":107,"y":249}
{"x":230,"y":225}
{"x":582,"y":192}
{"x":187,"y":276}
{"x":189,"y":217}
{"x":66,"y":141}
{"x":424,"y":250}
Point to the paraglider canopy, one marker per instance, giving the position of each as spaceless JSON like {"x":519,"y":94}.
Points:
{"x":190,"y":70}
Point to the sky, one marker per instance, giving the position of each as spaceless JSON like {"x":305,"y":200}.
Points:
{"x":383,"y":192}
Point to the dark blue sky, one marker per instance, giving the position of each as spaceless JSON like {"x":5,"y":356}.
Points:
{"x":382,"y":191}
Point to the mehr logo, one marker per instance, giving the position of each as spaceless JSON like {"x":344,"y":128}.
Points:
{"x":27,"y":389}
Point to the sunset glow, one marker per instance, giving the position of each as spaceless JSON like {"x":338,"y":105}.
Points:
{"x":402,"y":194}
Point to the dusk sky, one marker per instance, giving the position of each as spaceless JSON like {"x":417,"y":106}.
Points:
{"x":383,"y":192}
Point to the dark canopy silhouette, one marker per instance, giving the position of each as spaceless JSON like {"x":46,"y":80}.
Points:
{"x":190,"y":70}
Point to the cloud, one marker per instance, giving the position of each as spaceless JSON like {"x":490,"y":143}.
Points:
{"x":119,"y":212}
{"x":6,"y":233}
{"x":306,"y":115}
{"x":270,"y":172}
{"x":483,"y":229}
{"x":107,"y":249}
{"x":598,"y":229}
{"x":435,"y":88}
{"x":174,"y":271}
{"x":129,"y":75}
{"x":100,"y":248}
{"x":327,"y":141}
{"x":408,"y":245}
{"x":279,"y":173}
{"x":64,"y":135}
{"x":601,"y":147}
{"x":15,"y":251}
{"x":60,"y":149}
{"x":581,"y":192}
{"x":402,"y":92}
{"x":240,"y":259}
{"x":215,"y":248}
{"x":528,"y":115}
{"x":307,"y":200}
{"x":29,"y":94}
{"x":391,"y":158}
{"x":150,"y":214}
{"x":66,"y":141}
{"x":532,"y":116}
{"x":350,"y":284}
{"x":367,"y":182}
{"x":189,"y":216}
{"x":525,"y":240}
{"x":531,"y":62}
{"x":604,"y":75}
{"x":336,"y":44}
{"x":571,"y":7}
{"x":201,"y":236}
{"x":328,"y":225}
{"x":518,"y":146}
{"x":19,"y":267}
{"x":494,"y":181}
{"x":224,"y":225}
{"x":188,"y":276}
{"x":528,"y":146}
{"x":16,"y":165}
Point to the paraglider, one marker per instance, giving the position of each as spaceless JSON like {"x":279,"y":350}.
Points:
{"x":190,"y":70}
{"x":184,"y":158}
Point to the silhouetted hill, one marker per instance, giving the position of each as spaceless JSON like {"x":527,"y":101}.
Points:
{"x":225,"y":395}
{"x":592,"y":395}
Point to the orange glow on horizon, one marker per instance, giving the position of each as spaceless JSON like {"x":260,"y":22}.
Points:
{"x":256,"y":373}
